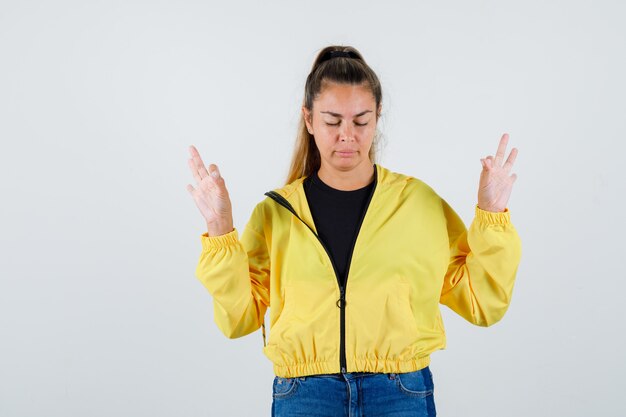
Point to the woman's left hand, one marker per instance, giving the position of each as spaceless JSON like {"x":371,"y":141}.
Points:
{"x":496,"y":184}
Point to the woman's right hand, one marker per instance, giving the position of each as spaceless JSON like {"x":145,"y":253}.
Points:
{"x":211,"y":196}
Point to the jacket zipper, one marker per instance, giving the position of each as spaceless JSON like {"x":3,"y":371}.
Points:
{"x":341,"y":303}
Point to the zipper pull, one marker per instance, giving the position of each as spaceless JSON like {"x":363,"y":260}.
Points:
{"x":343,"y":370}
{"x":341,"y":303}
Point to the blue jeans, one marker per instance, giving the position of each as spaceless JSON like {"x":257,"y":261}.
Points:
{"x":359,"y":394}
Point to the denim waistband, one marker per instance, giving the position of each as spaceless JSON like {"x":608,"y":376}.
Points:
{"x":346,"y":376}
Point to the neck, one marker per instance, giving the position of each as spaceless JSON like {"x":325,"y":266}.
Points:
{"x":352,"y":179}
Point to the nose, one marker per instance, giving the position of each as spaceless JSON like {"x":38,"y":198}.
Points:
{"x":346,"y":133}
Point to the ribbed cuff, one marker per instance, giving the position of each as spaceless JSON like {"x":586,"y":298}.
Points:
{"x":493,"y":217}
{"x":219,"y":241}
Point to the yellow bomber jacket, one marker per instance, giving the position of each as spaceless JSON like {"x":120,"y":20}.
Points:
{"x":412,"y":252}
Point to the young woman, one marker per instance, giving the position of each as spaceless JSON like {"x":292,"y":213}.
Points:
{"x":353,"y":258}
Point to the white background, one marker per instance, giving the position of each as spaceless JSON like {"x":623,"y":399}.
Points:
{"x":100,"y":311}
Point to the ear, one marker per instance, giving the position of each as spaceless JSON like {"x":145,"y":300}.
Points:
{"x":307,"y":119}
{"x":380,"y":109}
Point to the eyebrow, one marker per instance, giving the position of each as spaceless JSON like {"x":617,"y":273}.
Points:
{"x":339,"y":115}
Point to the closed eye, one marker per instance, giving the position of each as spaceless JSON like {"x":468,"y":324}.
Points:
{"x":338,"y":123}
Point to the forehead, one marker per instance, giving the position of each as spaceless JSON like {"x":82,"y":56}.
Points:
{"x":345,"y":99}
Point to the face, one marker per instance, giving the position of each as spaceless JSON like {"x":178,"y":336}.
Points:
{"x":343,"y":123}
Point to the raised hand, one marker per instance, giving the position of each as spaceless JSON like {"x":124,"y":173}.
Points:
{"x":211,"y":196}
{"x":496,"y":184}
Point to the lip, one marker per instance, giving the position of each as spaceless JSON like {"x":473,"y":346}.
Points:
{"x":345,"y":152}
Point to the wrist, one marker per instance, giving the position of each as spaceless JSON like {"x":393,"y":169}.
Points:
{"x":491,"y":209}
{"x":217,"y":229}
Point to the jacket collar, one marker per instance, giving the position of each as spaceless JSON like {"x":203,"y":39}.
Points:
{"x":294,"y":194}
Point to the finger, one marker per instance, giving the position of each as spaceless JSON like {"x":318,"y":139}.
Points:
{"x":202,"y":205}
{"x":194,"y":171}
{"x":193,"y":192}
{"x":199,"y":163}
{"x":510,"y":160}
{"x":501,"y":149}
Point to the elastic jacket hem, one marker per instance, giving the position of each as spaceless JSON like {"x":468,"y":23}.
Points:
{"x":360,"y":365}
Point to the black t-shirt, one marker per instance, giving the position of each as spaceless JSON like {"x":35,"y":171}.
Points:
{"x":336,"y":214}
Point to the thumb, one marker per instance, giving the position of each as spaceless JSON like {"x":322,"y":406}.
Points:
{"x":214,"y":171}
{"x":217,"y":179}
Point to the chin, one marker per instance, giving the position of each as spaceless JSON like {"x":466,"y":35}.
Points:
{"x":347,"y":162}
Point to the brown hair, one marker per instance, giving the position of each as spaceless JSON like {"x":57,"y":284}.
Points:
{"x":344,"y":70}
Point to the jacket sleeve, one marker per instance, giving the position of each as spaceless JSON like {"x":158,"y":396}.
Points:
{"x":236,"y":274}
{"x":478,"y":284}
